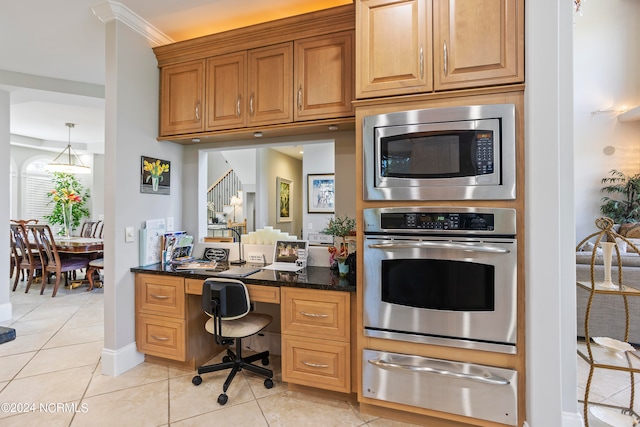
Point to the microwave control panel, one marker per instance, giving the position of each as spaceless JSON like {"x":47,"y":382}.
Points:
{"x":437,"y":221}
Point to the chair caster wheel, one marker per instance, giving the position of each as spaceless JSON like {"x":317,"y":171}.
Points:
{"x":226,"y":359}
{"x":197,"y":380}
{"x":265,"y":361}
{"x":222,"y":399}
{"x":268,"y":383}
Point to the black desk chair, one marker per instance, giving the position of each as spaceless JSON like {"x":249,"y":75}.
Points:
{"x":227,"y":302}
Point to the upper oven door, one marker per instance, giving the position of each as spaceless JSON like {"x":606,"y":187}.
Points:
{"x":451,"y":288}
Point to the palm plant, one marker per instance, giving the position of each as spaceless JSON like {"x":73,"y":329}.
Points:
{"x":626,"y":206}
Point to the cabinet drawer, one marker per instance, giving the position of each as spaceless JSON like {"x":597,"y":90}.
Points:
{"x":161,"y":295}
{"x":158,"y":336}
{"x":257,"y":293}
{"x":316,"y":363}
{"x":315,"y":313}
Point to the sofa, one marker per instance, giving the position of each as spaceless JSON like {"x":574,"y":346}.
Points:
{"x":607,"y":311}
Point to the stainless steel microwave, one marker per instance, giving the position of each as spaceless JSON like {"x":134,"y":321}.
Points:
{"x":455,"y":153}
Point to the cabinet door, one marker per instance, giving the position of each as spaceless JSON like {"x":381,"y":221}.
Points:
{"x":324,"y":77}
{"x":181,"y":98}
{"x":393,"y":50}
{"x":478,"y":42}
{"x":271,"y":85}
{"x":226,"y":86}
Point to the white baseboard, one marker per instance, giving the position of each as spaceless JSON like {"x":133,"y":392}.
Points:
{"x":116,"y":362}
{"x":6,"y":311}
{"x":572,"y":419}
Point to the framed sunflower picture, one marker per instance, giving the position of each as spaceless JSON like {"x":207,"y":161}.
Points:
{"x":155,"y":175}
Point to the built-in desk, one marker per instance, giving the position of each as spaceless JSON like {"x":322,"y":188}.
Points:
{"x":315,"y":311}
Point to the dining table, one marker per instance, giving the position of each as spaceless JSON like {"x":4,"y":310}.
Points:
{"x":83,"y":246}
{"x":79,"y":245}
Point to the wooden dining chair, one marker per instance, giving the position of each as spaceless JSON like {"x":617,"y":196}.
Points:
{"x":27,"y":258}
{"x":51,"y":261}
{"x":90,"y":228}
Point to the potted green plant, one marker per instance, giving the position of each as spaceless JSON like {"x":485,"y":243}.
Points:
{"x":341,"y":227}
{"x":70,"y":198}
{"x":625,"y":205}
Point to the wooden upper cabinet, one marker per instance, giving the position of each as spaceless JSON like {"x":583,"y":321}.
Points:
{"x":478,"y":42}
{"x":393,"y":50}
{"x":324,"y":76}
{"x":226,"y":89}
{"x":271,"y":85}
{"x":182,"y":98}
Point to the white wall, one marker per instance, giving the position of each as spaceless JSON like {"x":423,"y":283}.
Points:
{"x":317,"y":159}
{"x":606,"y":77}
{"x":5,"y":303}
{"x":131,"y":104}
{"x":551,"y":394}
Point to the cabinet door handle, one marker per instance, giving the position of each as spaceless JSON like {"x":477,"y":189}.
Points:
{"x":305,"y":313}
{"x":198,"y":111}
{"x":238,"y":106}
{"x":315,"y":365}
{"x":251,"y":104}
{"x":446,"y":58}
{"x":421,"y":62}
{"x":300,"y":98}
{"x":157,"y":338}
{"x":159,"y":296}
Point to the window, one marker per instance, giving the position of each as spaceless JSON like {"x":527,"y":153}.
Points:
{"x":36,"y":185}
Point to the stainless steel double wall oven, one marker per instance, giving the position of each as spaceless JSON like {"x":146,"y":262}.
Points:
{"x":444,"y":276}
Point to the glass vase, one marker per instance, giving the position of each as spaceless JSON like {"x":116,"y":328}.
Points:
{"x":67,"y":219}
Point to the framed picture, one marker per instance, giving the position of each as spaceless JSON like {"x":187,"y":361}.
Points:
{"x":283,"y":186}
{"x":321,"y":193}
{"x":155,"y":175}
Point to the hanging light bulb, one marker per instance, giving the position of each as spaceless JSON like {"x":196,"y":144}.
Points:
{"x":73,"y":163}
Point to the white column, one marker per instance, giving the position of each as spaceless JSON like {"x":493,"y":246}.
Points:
{"x":5,"y":183}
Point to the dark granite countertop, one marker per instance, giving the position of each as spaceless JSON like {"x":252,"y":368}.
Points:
{"x":309,"y":277}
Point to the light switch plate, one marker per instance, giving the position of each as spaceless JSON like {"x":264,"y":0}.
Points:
{"x":169,"y":223}
{"x":128,"y":235}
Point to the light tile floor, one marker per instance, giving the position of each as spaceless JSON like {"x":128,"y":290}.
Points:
{"x":608,"y":387}
{"x":54,"y":364}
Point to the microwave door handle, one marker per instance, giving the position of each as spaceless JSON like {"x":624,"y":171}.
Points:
{"x":485,"y":378}
{"x":439,"y":245}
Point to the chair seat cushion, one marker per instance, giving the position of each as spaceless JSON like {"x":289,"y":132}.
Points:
{"x":246,"y":326}
{"x":74,"y":263}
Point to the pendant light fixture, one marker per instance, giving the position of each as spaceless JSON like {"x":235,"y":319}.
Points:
{"x":73,"y":163}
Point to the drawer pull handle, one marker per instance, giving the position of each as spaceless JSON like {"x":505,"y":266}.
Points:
{"x":486,"y":379}
{"x":304,"y":313}
{"x":159,"y":296}
{"x":315,"y":365}
{"x":157,"y":338}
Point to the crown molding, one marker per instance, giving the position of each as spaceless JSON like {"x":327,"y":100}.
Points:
{"x":111,"y":10}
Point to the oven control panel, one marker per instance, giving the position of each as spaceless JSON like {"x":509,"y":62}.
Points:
{"x":437,"y":221}
{"x":445,"y":220}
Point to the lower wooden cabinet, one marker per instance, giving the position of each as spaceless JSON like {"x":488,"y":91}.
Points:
{"x":316,"y":338}
{"x":161,"y":336}
{"x":316,"y":363}
{"x":170,"y":326}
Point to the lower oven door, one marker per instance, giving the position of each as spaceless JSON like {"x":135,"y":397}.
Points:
{"x":441,"y":288}
{"x":471,"y":390}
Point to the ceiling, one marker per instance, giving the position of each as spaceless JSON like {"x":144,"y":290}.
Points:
{"x":54,"y":66}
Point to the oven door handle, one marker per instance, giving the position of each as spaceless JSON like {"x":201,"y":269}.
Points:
{"x":439,"y":245}
{"x":485,"y":379}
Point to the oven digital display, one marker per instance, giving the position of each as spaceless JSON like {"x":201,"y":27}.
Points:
{"x":437,"y":221}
